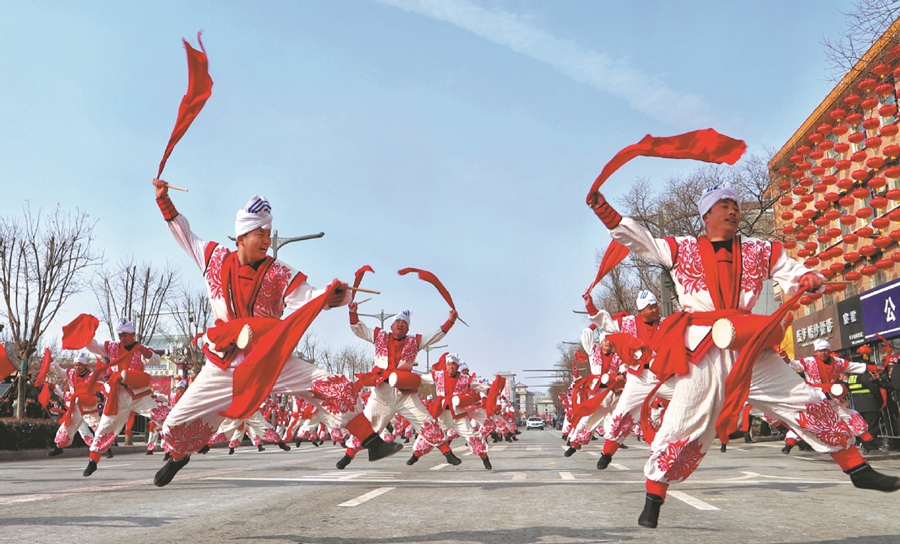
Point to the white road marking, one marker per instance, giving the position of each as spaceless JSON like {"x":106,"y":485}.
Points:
{"x":501,"y":447}
{"x":566,"y":476}
{"x":533,"y":448}
{"x":439,"y":467}
{"x":467,"y":453}
{"x":691,"y":501}
{"x":618,"y":466}
{"x":368,"y":496}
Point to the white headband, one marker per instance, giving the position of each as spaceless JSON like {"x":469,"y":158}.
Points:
{"x":81,"y":359}
{"x":257,"y":213}
{"x":717,"y":193}
{"x":124,"y":326}
{"x":644,"y":299}
{"x":821,"y":343}
{"x":181,"y":383}
{"x":404,"y":315}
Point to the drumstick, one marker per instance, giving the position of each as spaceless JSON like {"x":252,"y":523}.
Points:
{"x":361,"y":290}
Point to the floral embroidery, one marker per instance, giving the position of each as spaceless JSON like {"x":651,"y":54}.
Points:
{"x":336,"y":435}
{"x":217,"y":438}
{"x":680,"y":460}
{"x":582,"y":436}
{"x":235,"y":443}
{"x":256,"y":441}
{"x":113,"y":350}
{"x":151,"y":447}
{"x":270,"y":299}
{"x":755,"y":256}
{"x":857,"y":424}
{"x":388,"y":437}
{"x":452,"y":434}
{"x":488,"y":427}
{"x":407,"y":354}
{"x":811,"y":369}
{"x":338,"y":393}
{"x":160,"y":413}
{"x":755,"y":261}
{"x":381,"y":348}
{"x":421,"y":445}
{"x":439,"y":385}
{"x":62,"y":438}
{"x":821,"y":420}
{"x":688,"y":268}
{"x":214,"y":272}
{"x":269,"y":435}
{"x":103,"y":442}
{"x":187,"y":438}
{"x":477,"y":445}
{"x":432,"y":432}
{"x":88,"y":440}
{"x":621,"y":426}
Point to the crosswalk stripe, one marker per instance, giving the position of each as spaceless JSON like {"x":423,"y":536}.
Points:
{"x":439,"y":467}
{"x":368,"y":496}
{"x":691,"y":501}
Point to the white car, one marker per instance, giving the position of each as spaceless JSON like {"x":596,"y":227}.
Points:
{"x":534,"y":423}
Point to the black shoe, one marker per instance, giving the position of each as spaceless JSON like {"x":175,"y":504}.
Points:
{"x":299,"y":440}
{"x":787,"y":449}
{"x":452,"y":459}
{"x":284,"y":446}
{"x":623,"y":447}
{"x":487,"y":463}
{"x":109,"y":453}
{"x":167,"y":456}
{"x":316,"y":443}
{"x":804,"y":446}
{"x":571,"y":451}
{"x":516,"y":438}
{"x":378,"y":448}
{"x":55,"y":451}
{"x":723,"y":448}
{"x":260,"y":448}
{"x":604,"y":461}
{"x":343,"y":462}
{"x":168,"y":471}
{"x":92,"y":466}
{"x":203,"y":450}
{"x":865,"y":477}
{"x":406,"y":441}
{"x":413,"y":460}
{"x":230,"y":451}
{"x":509,"y":439}
{"x":343,"y":444}
{"x":650,"y":516}
{"x":149,"y":452}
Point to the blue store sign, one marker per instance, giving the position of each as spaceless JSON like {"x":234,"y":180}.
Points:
{"x":881,"y":310}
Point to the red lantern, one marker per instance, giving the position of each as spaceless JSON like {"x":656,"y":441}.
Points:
{"x":884,"y":264}
{"x":786,"y":201}
{"x":846,"y":201}
{"x":881,"y":69}
{"x":823,"y":239}
{"x":864,"y":350}
{"x":865,"y":232}
{"x":789,"y":230}
{"x":892,"y":150}
{"x":807,"y":198}
{"x":881,"y":222}
{"x":893,"y":194}
{"x":852,"y":257}
{"x":858,"y":156}
{"x":784,"y":170}
{"x":861,"y":193}
{"x":854,"y":118}
{"x":875,"y":163}
{"x":837,"y":114}
{"x":867,"y":84}
{"x":837,"y":268}
{"x":868,"y":270}
{"x":852,"y":276}
{"x":869,"y":103}
{"x":812,"y":262}
{"x":889,"y":130}
{"x":803,"y":253}
{"x":828,"y":162}
{"x":873,"y":143}
{"x":850,"y":239}
{"x":887,"y":110}
{"x":810,"y":229}
{"x":882,"y":242}
{"x":815,"y":137}
{"x":811,"y":246}
{"x":799,"y":190}
{"x":840,"y":130}
{"x":826,"y":145}
{"x":895,"y":256}
{"x":801,"y":220}
{"x":859,"y":175}
{"x":809,"y":214}
{"x":803,"y":149}
{"x":816,"y":154}
{"x":876,"y":183}
{"x":790,"y":244}
{"x":824,"y":128}
{"x":797,"y":174}
{"x":884,"y":89}
{"x":857,"y":137}
{"x":843,"y":164}
{"x":895,"y":235}
{"x":894,"y":215}
{"x":868,"y":250}
{"x":834,"y":232}
{"x":878,"y":202}
{"x":831,"y":197}
{"x":851,"y":100}
{"x":841,"y":147}
{"x":817,"y":170}
{"x":806,"y":182}
{"x":799,"y":206}
{"x":804,"y":166}
{"x":802,"y":236}
{"x":820,"y":188}
{"x":848,"y":219}
{"x":806,"y":300}
{"x":784,"y":185}
{"x":827,"y":273}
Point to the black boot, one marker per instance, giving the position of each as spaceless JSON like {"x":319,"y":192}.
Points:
{"x":571,"y":451}
{"x":406,"y":441}
{"x":723,"y":448}
{"x":203,"y":450}
{"x":284,"y":446}
{"x":149,"y":452}
{"x":168,"y":471}
{"x":378,"y":448}
{"x":650,"y":516}
{"x":92,"y":466}
{"x":487,"y":463}
{"x":167,"y":456}
{"x":787,"y":449}
{"x":299,"y":441}
{"x":413,"y":460}
{"x":623,"y":447}
{"x":315,"y":442}
{"x":260,"y":448}
{"x":452,"y":459}
{"x":109,"y":453}
{"x":604,"y":461}
{"x":230,"y":451}
{"x":865,"y":477}
{"x":55,"y":451}
{"x":343,"y":462}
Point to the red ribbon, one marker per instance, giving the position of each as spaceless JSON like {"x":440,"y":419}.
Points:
{"x":80,"y":332}
{"x":432,"y":279}
{"x":45,"y":366}
{"x":6,"y":366}
{"x":705,"y":145}
{"x":198,"y":91}
{"x":359,"y":276}
{"x":615,"y":254}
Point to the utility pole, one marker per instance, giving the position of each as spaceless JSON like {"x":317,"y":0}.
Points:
{"x":278,"y":242}
{"x":381,"y":316}
{"x":428,"y":355}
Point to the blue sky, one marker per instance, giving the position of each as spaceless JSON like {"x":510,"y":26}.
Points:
{"x":455,"y":136}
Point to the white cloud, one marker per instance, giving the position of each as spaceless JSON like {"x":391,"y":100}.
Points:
{"x":646,"y":94}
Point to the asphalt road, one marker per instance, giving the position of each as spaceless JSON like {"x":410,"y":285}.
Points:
{"x":753,"y":493}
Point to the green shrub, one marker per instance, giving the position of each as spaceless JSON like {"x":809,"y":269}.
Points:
{"x":29,"y":434}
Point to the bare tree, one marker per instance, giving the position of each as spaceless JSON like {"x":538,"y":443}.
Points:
{"x":346,"y":361}
{"x":862,"y":27}
{"x":137,"y":292}
{"x":43,"y":261}
{"x":191,"y":314}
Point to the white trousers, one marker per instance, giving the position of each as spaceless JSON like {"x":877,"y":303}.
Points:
{"x":626,"y":415}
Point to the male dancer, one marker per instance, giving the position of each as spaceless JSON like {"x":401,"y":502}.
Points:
{"x":83,"y":410}
{"x":717,"y":274}
{"x":247,"y":283}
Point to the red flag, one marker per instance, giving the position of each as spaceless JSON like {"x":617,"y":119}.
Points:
{"x":199,"y":90}
{"x":432,"y":279}
{"x":44,"y":396}
{"x":491,"y":406}
{"x":705,"y":145}
{"x":45,"y":366}
{"x":80,"y":332}
{"x":359,"y":276}
{"x":255,"y":376}
{"x":614,"y":254}
{"x":6,"y":366}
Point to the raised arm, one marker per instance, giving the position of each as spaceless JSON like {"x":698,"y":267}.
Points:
{"x":358,"y":327}
{"x":179,"y":226}
{"x":631,"y":234}
{"x":439,"y":334}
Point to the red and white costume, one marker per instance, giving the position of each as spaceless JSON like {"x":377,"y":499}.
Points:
{"x":611,"y":366}
{"x":272,"y":290}
{"x":83,"y":410}
{"x":466,"y":421}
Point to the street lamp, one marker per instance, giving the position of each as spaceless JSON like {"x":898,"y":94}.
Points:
{"x":381,"y":316}
{"x":428,"y":354}
{"x":277,"y":242}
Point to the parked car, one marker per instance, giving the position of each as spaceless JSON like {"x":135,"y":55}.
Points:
{"x":534,"y":423}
